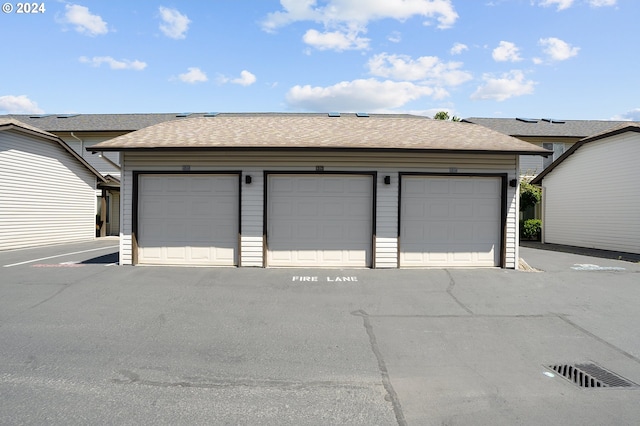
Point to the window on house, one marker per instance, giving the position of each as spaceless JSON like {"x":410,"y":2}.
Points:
{"x":558,"y":150}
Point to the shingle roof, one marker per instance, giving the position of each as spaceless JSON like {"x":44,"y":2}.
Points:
{"x":97,"y":122}
{"x":291,"y":131}
{"x":11,"y":123}
{"x":623,"y":128}
{"x":546,"y":127}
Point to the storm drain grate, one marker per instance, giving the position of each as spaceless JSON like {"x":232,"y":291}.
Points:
{"x":591,"y":376}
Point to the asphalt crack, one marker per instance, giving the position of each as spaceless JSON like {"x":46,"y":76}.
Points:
{"x":132,"y":378}
{"x":452,"y":284}
{"x":392,"y":395}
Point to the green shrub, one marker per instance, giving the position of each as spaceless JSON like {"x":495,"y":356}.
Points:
{"x":531,"y":229}
{"x":530,"y":195}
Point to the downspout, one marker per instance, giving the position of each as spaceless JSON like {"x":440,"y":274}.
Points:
{"x":81,"y":144}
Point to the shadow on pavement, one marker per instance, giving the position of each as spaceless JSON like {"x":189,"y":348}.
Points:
{"x":103,"y":260}
{"x":604,"y":254}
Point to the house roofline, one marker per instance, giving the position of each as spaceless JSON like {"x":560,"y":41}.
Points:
{"x":626,"y":128}
{"x":93,"y":150}
{"x":25,"y":128}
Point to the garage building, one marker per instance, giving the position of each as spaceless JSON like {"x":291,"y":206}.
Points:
{"x":318,"y":190}
{"x":47,"y":191}
{"x":591,"y":195}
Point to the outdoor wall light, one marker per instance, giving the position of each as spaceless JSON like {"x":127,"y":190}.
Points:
{"x":513,"y":183}
{"x":247,"y":179}
{"x":387,"y":180}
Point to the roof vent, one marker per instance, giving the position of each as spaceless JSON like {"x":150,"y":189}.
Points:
{"x":361,"y":114}
{"x":40,"y":116}
{"x":527,"y":120}
{"x":552,"y":121}
{"x":211,"y":114}
{"x":68,"y":115}
{"x":334,"y":114}
{"x":184,"y":114}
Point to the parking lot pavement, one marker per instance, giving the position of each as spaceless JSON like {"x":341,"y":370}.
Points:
{"x":88,"y":342}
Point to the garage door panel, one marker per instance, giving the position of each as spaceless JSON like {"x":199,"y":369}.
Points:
{"x":454,"y":221}
{"x":188,"y":220}
{"x":327,"y":220}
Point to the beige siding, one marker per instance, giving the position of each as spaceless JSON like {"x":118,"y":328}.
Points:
{"x":254,"y":164}
{"x":592,"y":199}
{"x":46,"y":195}
{"x":251,"y":241}
{"x":386,"y":238}
{"x":114,"y":214}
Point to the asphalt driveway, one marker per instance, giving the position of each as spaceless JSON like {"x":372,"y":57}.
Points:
{"x":84,"y":341}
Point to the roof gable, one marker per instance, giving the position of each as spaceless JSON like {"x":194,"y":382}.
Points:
{"x":10,"y":124}
{"x":617,"y":130}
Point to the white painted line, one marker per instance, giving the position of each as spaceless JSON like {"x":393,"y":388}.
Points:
{"x":59,"y":255}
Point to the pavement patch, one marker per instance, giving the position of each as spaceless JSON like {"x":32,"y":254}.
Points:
{"x":590,"y":267}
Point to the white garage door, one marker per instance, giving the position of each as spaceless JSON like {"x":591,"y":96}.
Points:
{"x":189,"y":219}
{"x":320,"y":220}
{"x":450,"y":221}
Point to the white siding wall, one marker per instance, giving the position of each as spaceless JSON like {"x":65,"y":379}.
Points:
{"x":46,"y":195}
{"x":592,"y":199}
{"x":530,"y":165}
{"x":386,"y":248}
{"x":100,"y":164}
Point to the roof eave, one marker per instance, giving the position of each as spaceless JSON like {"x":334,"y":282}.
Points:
{"x":95,"y":149}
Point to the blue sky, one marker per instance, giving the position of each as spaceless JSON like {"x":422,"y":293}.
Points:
{"x":564,"y":59}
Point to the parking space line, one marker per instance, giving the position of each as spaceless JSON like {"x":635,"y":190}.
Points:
{"x":59,"y":255}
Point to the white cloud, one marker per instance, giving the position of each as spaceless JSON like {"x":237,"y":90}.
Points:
{"x":114,"y":64}
{"x":84,"y":21}
{"x":359,"y":95}
{"x":19,"y":105}
{"x":193,"y":75}
{"x":506,"y":52}
{"x":566,"y":4}
{"x":345,"y":20}
{"x":360,"y":12}
{"x":633,"y":115}
{"x":245,"y":79}
{"x":174,"y":24}
{"x":602,"y":3}
{"x":427,"y":69}
{"x":458,"y":48}
{"x":395,"y":37}
{"x":557,"y":50}
{"x":335,"y":40}
{"x":504,"y":87}
{"x":561,"y":4}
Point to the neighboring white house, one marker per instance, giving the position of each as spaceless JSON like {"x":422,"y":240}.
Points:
{"x":552,"y":134}
{"x":317,"y":190}
{"x":591,"y":195}
{"x":47,"y":191}
{"x":81,"y":131}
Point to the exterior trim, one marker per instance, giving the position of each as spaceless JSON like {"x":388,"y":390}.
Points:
{"x":503,"y":205}
{"x":373,"y":175}
{"x":134,"y":207}
{"x":319,"y":149}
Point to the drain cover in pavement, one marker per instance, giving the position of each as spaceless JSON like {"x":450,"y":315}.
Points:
{"x":591,"y":376}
